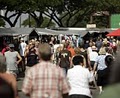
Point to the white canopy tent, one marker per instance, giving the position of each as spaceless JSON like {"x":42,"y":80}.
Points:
{"x":41,"y":31}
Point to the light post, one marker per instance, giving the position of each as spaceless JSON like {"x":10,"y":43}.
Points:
{"x":20,"y":21}
{"x":29,"y":17}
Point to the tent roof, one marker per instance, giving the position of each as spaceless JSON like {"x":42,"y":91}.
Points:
{"x":6,"y":31}
{"x":23,"y":31}
{"x":114,"y":33}
{"x":76,"y":32}
{"x":51,"y":32}
{"x":15,"y":31}
{"x":41,"y":31}
{"x":99,"y":30}
{"x":63,"y":32}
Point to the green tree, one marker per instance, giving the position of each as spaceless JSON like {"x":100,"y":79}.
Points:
{"x":78,"y":12}
{"x":72,"y":12}
{"x":2,"y":23}
{"x":9,"y":6}
{"x":33,"y":7}
{"x":105,"y":8}
{"x":65,"y":13}
{"x":37,"y":8}
{"x":46,"y":23}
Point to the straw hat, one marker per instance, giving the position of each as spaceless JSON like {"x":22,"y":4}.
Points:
{"x":102,"y":51}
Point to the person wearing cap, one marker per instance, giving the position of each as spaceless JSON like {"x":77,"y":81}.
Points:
{"x":13,"y":58}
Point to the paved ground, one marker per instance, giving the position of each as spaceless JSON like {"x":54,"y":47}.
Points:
{"x":21,"y":95}
{"x":19,"y":82}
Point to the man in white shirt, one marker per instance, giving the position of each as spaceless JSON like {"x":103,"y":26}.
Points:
{"x":92,"y":56}
{"x":22,"y":48}
{"x":79,"y":78}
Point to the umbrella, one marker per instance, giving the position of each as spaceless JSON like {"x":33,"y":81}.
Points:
{"x":114,"y":33}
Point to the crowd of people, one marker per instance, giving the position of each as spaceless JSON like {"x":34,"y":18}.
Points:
{"x":61,"y":70}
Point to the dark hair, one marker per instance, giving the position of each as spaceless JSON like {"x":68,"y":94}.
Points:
{"x":6,"y":90}
{"x":77,"y":59}
{"x":109,"y":60}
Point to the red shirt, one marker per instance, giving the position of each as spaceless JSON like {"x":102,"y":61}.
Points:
{"x":4,"y":50}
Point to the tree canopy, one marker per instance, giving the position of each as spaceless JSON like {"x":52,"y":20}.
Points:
{"x":31,"y":23}
{"x":65,"y":13}
{"x":2,"y":23}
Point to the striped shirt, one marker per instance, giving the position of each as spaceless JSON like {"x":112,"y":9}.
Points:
{"x":45,"y":80}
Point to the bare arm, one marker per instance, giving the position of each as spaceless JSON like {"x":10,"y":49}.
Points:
{"x":90,"y":68}
{"x":84,"y":62}
{"x":95,"y":66}
{"x":26,"y":51}
{"x":70,"y":60}
{"x":19,"y":58}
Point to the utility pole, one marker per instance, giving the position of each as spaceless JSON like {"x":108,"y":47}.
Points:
{"x":20,"y":21}
{"x":29,"y":17}
{"x":91,"y":19}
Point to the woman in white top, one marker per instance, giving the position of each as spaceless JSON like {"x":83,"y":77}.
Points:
{"x":79,"y":78}
{"x":92,"y":56}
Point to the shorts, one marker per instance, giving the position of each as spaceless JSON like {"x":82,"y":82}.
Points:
{"x":14,"y":72}
{"x":92,"y":64}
